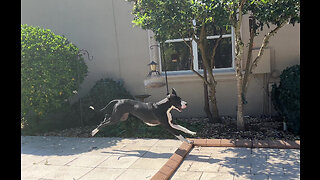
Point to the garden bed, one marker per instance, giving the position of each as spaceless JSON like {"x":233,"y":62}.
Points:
{"x":260,"y":128}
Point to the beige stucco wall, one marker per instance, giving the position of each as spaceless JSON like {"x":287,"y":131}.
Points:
{"x":121,"y":51}
{"x":104,"y":28}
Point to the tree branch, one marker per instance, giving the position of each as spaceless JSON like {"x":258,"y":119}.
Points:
{"x":192,"y":59}
{"x":215,"y":48}
{"x":252,"y":30}
{"x":264,"y":44}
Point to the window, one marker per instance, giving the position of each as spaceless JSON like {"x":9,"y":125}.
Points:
{"x":178,"y":57}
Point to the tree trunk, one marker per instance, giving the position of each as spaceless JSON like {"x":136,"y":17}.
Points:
{"x":206,"y":107}
{"x":212,"y":83}
{"x":239,"y":52}
{"x":216,"y":117}
{"x":240,"y":120}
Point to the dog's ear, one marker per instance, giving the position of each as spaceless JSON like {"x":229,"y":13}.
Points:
{"x":173,"y":91}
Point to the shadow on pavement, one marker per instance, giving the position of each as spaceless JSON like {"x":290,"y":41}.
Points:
{"x":54,"y":145}
{"x":245,"y":163}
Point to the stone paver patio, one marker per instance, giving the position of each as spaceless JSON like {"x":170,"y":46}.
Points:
{"x":117,"y":158}
{"x":239,"y":163}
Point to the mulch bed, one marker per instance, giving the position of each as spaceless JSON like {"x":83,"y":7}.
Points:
{"x":259,"y":128}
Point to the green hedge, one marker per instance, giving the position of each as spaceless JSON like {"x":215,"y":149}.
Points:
{"x":104,"y":91}
{"x":51,"y":70}
{"x":286,"y":97}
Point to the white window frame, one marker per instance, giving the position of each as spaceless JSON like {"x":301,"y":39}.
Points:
{"x":195,"y":56}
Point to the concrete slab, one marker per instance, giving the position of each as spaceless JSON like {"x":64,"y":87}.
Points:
{"x":241,"y":163}
{"x":267,"y":168}
{"x":186,"y":175}
{"x":59,"y":160}
{"x":117,"y":158}
{"x":216,"y":176}
{"x":137,"y":174}
{"x":160,"y":152}
{"x":90,"y":158}
{"x":67,"y":172}
{"x":209,"y":165}
{"x":28,"y":160}
{"x":284,"y":177}
{"x":103,"y":173}
{"x":118,"y":162}
{"x":148,"y":163}
{"x":251,"y":177}
{"x":168,"y":142}
{"x":87,"y":161}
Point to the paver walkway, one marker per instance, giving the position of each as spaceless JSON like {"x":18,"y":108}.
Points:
{"x":93,"y":158}
{"x":117,"y":158}
{"x":222,"y":163}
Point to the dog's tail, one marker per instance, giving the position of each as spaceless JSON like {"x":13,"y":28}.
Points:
{"x":116,"y":100}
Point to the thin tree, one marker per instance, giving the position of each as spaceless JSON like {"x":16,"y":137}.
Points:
{"x":194,"y":19}
{"x":262,"y":12}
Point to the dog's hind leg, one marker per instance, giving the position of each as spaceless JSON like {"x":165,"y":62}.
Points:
{"x":115,"y":117}
{"x":104,"y":123}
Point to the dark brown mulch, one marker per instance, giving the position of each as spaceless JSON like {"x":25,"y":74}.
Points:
{"x":261,"y":128}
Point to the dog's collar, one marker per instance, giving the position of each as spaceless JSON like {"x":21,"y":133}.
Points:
{"x":163,"y":101}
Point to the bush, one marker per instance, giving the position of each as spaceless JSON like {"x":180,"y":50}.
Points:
{"x":104,"y":91}
{"x":286,"y":97}
{"x":51,"y":69}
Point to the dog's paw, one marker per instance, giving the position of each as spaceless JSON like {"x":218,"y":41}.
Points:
{"x":193,"y":133}
{"x":94,"y":132}
{"x":190,"y":141}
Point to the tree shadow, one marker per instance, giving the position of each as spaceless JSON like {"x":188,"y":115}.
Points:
{"x":247,"y":162}
{"x":63,"y":146}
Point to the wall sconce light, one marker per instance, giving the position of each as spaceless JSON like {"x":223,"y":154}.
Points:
{"x":154,"y":78}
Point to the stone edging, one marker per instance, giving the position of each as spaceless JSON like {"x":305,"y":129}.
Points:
{"x":176,"y":159}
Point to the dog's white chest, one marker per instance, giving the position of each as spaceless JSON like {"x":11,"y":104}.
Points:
{"x":169,"y":115}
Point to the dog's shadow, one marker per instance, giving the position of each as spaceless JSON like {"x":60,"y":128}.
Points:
{"x":156,"y":155}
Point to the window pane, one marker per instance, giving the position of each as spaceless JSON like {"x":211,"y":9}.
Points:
{"x":223,"y":56}
{"x":177,"y":56}
{"x":213,"y":32}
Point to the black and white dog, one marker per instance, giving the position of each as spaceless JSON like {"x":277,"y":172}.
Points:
{"x":152,"y":114}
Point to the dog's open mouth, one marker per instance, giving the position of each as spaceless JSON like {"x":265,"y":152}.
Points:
{"x":180,"y":108}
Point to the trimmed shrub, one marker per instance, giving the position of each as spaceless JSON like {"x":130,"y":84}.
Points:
{"x":286,"y":97}
{"x":51,"y":69}
{"x":104,"y":91}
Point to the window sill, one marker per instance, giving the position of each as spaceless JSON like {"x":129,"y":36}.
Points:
{"x":189,"y":76}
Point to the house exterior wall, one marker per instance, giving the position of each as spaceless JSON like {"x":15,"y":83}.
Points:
{"x":104,"y":28}
{"x":122,"y":52}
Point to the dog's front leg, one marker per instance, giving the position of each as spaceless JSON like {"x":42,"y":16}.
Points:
{"x":183,"y":129}
{"x":181,"y":138}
